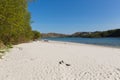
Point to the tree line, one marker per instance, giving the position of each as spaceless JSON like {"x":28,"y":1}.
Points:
{"x":97,"y":34}
{"x":15,"y":20}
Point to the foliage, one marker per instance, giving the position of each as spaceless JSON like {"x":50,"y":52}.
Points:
{"x":14,"y":22}
{"x":1,"y":45}
{"x":9,"y":46}
{"x":36,"y":35}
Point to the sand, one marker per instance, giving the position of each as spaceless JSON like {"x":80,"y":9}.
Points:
{"x":60,"y":61}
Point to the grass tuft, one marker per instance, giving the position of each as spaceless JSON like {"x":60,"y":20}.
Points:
{"x":5,"y":49}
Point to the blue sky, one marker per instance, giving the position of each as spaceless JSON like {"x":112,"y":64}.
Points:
{"x":69,"y":16}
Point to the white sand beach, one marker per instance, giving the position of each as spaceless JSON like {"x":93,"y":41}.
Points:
{"x":60,"y":61}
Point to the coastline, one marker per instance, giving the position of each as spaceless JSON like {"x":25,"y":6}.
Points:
{"x":105,"y":42}
{"x":76,"y":43}
{"x":54,"y":60}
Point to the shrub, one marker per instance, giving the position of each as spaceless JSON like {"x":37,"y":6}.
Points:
{"x":2,"y":45}
{"x":36,"y":35}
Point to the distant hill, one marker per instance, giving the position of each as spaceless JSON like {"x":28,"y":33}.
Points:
{"x":53,"y":35}
{"x":97,"y":34}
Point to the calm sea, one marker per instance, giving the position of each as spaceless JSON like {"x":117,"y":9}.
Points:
{"x":111,"y":42}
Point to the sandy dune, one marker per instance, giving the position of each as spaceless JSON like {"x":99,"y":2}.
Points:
{"x":41,"y":61}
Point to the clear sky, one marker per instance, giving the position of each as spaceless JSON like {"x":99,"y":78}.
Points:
{"x":69,"y":16}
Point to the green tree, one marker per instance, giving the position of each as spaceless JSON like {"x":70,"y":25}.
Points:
{"x":14,"y":21}
{"x":36,"y":35}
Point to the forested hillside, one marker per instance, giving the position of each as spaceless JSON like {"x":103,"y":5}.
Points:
{"x":98,"y":34}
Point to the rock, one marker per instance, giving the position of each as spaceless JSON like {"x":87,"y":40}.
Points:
{"x":61,"y":62}
{"x":67,"y":64}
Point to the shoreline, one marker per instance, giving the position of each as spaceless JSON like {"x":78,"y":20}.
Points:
{"x":97,"y":45}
